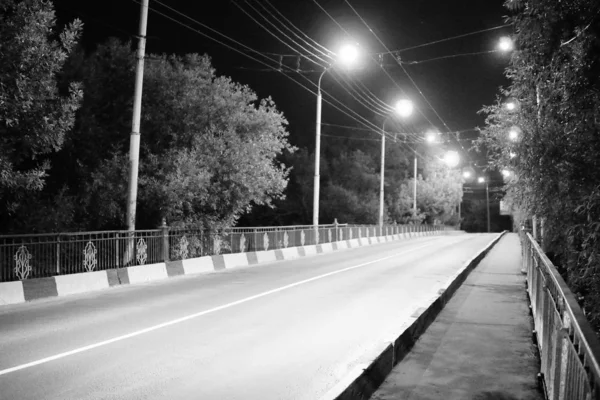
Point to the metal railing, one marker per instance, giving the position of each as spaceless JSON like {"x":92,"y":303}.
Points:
{"x":569,"y":348}
{"x":44,"y":255}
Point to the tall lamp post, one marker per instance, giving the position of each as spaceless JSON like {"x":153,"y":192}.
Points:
{"x":347,"y":55}
{"x":404,"y":108}
{"x":431,"y":138}
{"x":481,"y":179}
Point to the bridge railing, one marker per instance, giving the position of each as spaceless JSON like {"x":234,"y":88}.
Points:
{"x":44,"y":255}
{"x":569,"y":348}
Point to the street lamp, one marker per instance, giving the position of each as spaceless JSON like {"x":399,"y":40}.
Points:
{"x":481,"y":179}
{"x":452,"y":159}
{"x":404,"y":109}
{"x":513,"y":134}
{"x":348,"y":55}
{"x":505,"y":44}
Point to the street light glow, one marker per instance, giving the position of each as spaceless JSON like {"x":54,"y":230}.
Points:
{"x":505,"y":173}
{"x":431,"y":136}
{"x":510,"y":106}
{"x":505,"y":44}
{"x":481,"y":179}
{"x":452,"y":159}
{"x":512,"y":154}
{"x":466,"y":174}
{"x":348,"y":55}
{"x":513,"y":134}
{"x":404,"y":108}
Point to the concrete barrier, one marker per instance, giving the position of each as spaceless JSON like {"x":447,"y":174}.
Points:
{"x":198,"y":265}
{"x":290,"y":253}
{"x":147,"y":273}
{"x":11,"y":293}
{"x":62,"y":285}
{"x":266,"y":256}
{"x":235,"y":260}
{"x":81,"y":283}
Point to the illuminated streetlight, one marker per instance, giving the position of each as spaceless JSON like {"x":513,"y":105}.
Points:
{"x":505,"y":173}
{"x":452,"y":159}
{"x":512,"y":154}
{"x":466,"y":174}
{"x":347,"y":56}
{"x":513,"y":134}
{"x":404,"y":108}
{"x":481,"y":179}
{"x":431,"y":136}
{"x":505,"y":44}
{"x":511,"y":106}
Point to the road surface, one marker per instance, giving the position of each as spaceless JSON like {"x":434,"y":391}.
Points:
{"x":286,"y":330}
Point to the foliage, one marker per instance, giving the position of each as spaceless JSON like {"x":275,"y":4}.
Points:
{"x":555,"y":78}
{"x":34,"y":115}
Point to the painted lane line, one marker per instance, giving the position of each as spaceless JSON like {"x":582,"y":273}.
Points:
{"x":199,"y":314}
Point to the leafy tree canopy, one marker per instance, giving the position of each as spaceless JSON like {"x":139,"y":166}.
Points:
{"x":34,"y":115}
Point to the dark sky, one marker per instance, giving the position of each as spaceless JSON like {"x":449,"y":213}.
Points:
{"x":456,"y":87}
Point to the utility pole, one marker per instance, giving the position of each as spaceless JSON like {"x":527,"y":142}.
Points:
{"x":415,"y":186}
{"x":134,"y":141}
{"x":487,"y":200}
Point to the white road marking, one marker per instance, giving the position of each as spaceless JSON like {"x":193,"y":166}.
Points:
{"x":199,"y":314}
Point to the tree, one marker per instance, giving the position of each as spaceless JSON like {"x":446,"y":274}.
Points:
{"x":555,"y":77}
{"x":208,"y":154}
{"x":34,"y":115}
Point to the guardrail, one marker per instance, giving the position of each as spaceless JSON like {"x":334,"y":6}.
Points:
{"x":569,"y":348}
{"x":44,"y":255}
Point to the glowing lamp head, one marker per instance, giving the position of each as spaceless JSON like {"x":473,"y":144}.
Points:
{"x":481,"y":179}
{"x":511,"y":106}
{"x":505,"y":173}
{"x":513,"y":134}
{"x":505,"y":44}
{"x":466,"y":174}
{"x":452,"y":159}
{"x":431,"y":137}
{"x":348,"y":55}
{"x":404,"y":108}
{"x":512,"y":154}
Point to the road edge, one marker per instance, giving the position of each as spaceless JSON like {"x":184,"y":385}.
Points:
{"x":363,"y":381}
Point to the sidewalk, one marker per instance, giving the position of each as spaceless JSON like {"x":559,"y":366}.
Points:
{"x":479,"y":347}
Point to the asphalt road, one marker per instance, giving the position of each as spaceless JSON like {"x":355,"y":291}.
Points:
{"x":286,"y":330}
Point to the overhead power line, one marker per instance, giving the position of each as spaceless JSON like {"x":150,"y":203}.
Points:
{"x":358,"y":118}
{"x":408,"y":75}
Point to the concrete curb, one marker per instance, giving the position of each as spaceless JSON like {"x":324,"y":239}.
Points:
{"x":363,"y":381}
{"x":64,"y":285}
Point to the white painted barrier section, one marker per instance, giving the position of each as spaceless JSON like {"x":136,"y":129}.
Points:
{"x":81,"y":283}
{"x":342,"y":244}
{"x":310,"y":250}
{"x":147,"y":273}
{"x":198,"y":265}
{"x":11,"y":293}
{"x":266,"y":256}
{"x":353,"y":243}
{"x":235,"y":260}
{"x":326,"y":247}
{"x":290,"y":253}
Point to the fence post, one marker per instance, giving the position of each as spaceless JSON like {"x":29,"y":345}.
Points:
{"x":165,"y":239}
{"x":335,"y":225}
{"x":57,"y":254}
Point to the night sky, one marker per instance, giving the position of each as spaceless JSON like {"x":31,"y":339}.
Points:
{"x":456,"y":87}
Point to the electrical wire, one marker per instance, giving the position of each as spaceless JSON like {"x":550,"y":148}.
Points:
{"x":362,"y":98}
{"x":357,"y":117}
{"x":446,"y":39}
{"x":407,"y":74}
{"x":297,"y":32}
{"x":281,"y":32}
